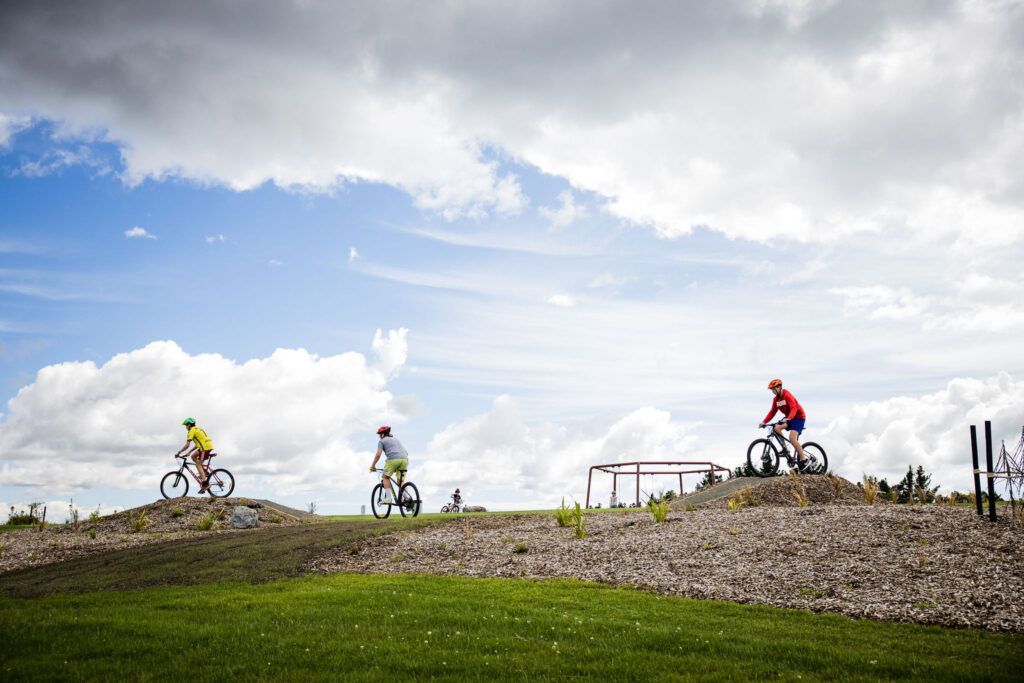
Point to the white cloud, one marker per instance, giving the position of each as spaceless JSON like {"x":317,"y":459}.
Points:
{"x":290,"y":422}
{"x":762,"y":120}
{"x":214,"y":239}
{"x":878,"y":302}
{"x":275,"y":263}
{"x":498,"y":451}
{"x":608,"y":281}
{"x":9,"y":126}
{"x":353,"y":254}
{"x":567,"y":213}
{"x":135,"y":232}
{"x":884,"y":437}
{"x":561,"y":300}
{"x":55,"y":160}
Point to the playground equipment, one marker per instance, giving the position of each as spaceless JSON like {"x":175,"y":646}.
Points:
{"x":642,"y":468}
{"x":1009,"y":467}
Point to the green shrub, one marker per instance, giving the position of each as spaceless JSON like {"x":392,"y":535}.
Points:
{"x":690,"y":507}
{"x":519,"y":548}
{"x":92,"y":533}
{"x":577,"y":519}
{"x":563,"y":515}
{"x":94,"y":516}
{"x":177,"y":512}
{"x":206,"y":522}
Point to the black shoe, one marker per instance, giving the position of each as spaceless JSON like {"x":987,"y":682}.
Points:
{"x":803,"y":467}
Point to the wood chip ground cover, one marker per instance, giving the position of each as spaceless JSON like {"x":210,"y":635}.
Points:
{"x":924,"y":564}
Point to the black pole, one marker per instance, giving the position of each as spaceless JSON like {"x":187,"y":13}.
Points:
{"x":991,"y":479}
{"x":977,"y":470}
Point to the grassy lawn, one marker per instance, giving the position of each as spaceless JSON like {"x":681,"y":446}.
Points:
{"x":256,"y":556}
{"x":346,"y":627}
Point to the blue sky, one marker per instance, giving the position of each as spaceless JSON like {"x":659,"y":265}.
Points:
{"x":568,"y":254}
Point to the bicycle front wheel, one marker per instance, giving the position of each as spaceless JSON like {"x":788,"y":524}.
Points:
{"x":381,"y":509}
{"x":174,"y":485}
{"x":446,"y":508}
{"x":409,"y":500}
{"x":763,"y":458}
{"x":819,"y":461}
{"x":222,"y":483}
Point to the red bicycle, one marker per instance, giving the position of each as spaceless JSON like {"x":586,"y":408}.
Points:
{"x":175,"y":483}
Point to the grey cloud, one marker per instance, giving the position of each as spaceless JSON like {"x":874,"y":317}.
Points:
{"x":759,"y":119}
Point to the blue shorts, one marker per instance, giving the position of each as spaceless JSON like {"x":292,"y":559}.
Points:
{"x":796,"y":425}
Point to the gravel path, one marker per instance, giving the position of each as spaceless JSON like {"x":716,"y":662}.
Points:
{"x":925,"y":564}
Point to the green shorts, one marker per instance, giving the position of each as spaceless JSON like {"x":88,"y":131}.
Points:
{"x":390,"y":466}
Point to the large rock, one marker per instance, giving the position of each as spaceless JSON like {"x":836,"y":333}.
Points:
{"x":244,"y":518}
{"x":474,"y":508}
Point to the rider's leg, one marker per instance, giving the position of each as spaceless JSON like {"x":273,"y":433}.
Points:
{"x":197,"y":458}
{"x":794,"y":438}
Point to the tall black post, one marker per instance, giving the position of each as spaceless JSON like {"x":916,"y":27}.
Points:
{"x":977,"y":470}
{"x":991,"y":479}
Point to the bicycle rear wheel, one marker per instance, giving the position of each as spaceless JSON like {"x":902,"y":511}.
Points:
{"x":446,"y":508}
{"x":763,"y":458}
{"x":174,"y":485}
{"x":381,"y":510}
{"x":222,"y":483}
{"x":819,"y":461}
{"x":409,"y":500}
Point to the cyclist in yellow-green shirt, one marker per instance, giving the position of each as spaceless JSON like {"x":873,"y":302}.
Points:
{"x":202,"y":447}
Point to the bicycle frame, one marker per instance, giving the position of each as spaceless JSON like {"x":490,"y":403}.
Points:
{"x":187,"y":466}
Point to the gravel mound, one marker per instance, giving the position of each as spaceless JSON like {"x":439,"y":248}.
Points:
{"x":817,"y":489}
{"x":924,"y":564}
{"x":165,"y":520}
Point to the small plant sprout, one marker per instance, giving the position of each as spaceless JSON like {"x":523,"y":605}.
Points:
{"x":206,"y":522}
{"x":92,"y":533}
{"x":578,"y":524}
{"x":94,"y":516}
{"x":659,"y":509}
{"x":894,"y":495}
{"x":520,"y":548}
{"x":690,"y":507}
{"x":734,"y":531}
{"x":563,"y":514}
{"x":139,"y":523}
{"x":177,"y":512}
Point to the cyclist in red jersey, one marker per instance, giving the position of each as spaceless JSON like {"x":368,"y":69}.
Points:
{"x":784,"y":402}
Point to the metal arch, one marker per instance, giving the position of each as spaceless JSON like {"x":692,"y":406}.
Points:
{"x":615,"y":469}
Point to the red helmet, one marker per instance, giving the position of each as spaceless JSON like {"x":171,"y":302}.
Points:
{"x":775,"y":383}
{"x":384,"y":429}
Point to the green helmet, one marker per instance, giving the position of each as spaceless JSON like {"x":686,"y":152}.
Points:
{"x":188,"y":421}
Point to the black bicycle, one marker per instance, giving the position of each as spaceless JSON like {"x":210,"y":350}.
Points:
{"x":175,"y":484}
{"x":382,"y":500}
{"x":764,"y":457}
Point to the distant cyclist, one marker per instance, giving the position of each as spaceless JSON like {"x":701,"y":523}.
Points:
{"x":202,"y":447}
{"x":785,"y":403}
{"x":396,"y":458}
{"x":457,"y":497}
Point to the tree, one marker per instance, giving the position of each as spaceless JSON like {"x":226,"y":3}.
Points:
{"x":906,"y":487}
{"x":883,"y":486}
{"x":923,"y":486}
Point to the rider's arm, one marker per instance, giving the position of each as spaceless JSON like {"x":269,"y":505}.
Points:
{"x":182,"y":449}
{"x":771,"y":412}
{"x":376,"y":457}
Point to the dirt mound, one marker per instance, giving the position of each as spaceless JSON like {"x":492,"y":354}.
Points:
{"x":185,"y":514}
{"x":787,"y":491}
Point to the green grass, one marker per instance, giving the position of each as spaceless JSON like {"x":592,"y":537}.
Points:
{"x":264,"y":554}
{"x":346,"y":627}
{"x":15,"y":527}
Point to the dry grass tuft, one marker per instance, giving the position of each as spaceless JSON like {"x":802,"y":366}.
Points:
{"x":870,"y":489}
{"x":801,"y":497}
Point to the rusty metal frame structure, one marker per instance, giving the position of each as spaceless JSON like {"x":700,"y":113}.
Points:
{"x":616,"y":470}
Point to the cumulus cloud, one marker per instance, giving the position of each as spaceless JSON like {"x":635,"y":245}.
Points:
{"x":137,"y":232}
{"x":9,"y":126}
{"x":545,"y":461}
{"x":884,"y":437}
{"x":288,"y":422}
{"x":808,"y":121}
{"x":566,"y":213}
{"x":215,"y":239}
{"x":353,"y":254}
